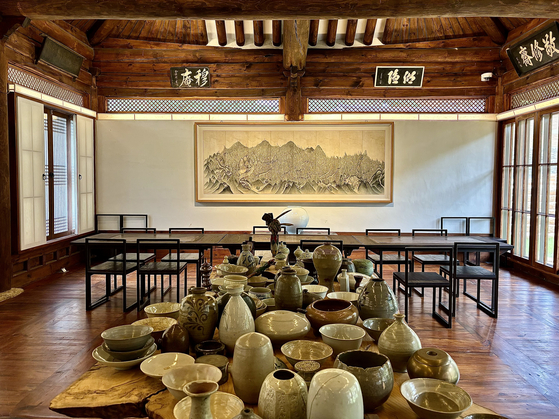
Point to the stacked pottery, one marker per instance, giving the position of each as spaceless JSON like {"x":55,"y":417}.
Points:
{"x":198,"y":315}
{"x":327,"y":260}
{"x":377,"y":300}
{"x":236,"y":319}
{"x":334,"y":394}
{"x":253,"y":360}
{"x":247,"y":259}
{"x":283,"y":396}
{"x":399,"y":342}
{"x":374,"y":373}
{"x":288,"y":291}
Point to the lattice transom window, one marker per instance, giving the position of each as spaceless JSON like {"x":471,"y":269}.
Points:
{"x":534,"y":95}
{"x":474,"y":105}
{"x":193,"y":105}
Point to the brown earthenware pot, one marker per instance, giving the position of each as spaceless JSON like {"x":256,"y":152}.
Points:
{"x":324,"y":312}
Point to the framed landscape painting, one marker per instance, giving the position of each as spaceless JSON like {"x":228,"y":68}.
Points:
{"x":301,"y":162}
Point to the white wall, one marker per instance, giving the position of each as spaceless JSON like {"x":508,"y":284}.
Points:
{"x":441,"y":168}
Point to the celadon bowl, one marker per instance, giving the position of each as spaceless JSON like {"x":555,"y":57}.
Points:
{"x":165,"y":309}
{"x":342,"y":337}
{"x":319,"y":290}
{"x":127,"y":338}
{"x":306,"y":350}
{"x":158,"y":365}
{"x":177,"y":378}
{"x":282,"y":326}
{"x":107,"y":360}
{"x":229,"y":269}
{"x":222,"y":405}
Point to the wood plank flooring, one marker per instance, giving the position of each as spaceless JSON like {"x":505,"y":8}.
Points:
{"x":507,"y":364}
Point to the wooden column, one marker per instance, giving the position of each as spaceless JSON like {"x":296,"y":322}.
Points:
{"x":5,"y":225}
{"x":295,"y":45}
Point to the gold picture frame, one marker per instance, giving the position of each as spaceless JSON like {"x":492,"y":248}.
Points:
{"x":294,"y":162}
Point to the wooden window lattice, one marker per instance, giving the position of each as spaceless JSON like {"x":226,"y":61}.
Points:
{"x":474,"y":105}
{"x":193,"y":106}
{"x":534,"y":95}
{"x":40,"y":85}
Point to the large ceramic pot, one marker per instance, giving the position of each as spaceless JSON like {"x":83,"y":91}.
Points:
{"x":324,"y":312}
{"x":198,"y":315}
{"x":399,"y":342}
{"x":253,"y":360}
{"x":288,"y":292}
{"x":334,"y":394}
{"x":327,"y":260}
{"x":377,"y":300}
{"x":246,"y":258}
{"x":374,"y":373}
{"x":283,"y":396}
{"x":433,"y":363}
{"x":364,"y":266}
{"x":236,"y":320}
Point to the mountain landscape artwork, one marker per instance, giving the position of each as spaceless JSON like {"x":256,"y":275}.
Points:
{"x":304,"y":164}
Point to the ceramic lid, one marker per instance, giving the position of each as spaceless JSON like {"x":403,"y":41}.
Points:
{"x":432,"y":356}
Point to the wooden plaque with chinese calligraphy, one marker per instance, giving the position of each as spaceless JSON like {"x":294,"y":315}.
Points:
{"x":190,"y":77}
{"x":536,"y":51}
{"x":402,"y":76}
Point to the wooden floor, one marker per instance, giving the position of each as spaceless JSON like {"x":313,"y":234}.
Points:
{"x":507,"y":364}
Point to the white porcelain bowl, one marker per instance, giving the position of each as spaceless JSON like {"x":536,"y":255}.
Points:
{"x":158,"y":365}
{"x":342,"y":337}
{"x":352,"y":297}
{"x":127,"y":338}
{"x":104,"y":358}
{"x":177,"y":378}
{"x":282,"y":326}
{"x":260,"y":292}
{"x":164,"y":309}
{"x":222,"y":405}
{"x":319,"y":290}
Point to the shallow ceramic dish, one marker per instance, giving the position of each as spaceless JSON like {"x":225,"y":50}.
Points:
{"x":222,"y":405}
{"x":158,"y":365}
{"x":164,"y":309}
{"x":306,"y":350}
{"x":127,"y":338}
{"x":261,"y":293}
{"x":282,"y":326}
{"x":105,"y":359}
{"x":159,"y":325}
{"x":177,"y":378}
{"x":342,"y":337}
{"x":435,"y":399}
{"x":375,"y":326}
{"x":230,"y":269}
{"x":129,"y":355}
{"x":257,"y":281}
{"x":347,"y":296}
{"x":319,"y":290}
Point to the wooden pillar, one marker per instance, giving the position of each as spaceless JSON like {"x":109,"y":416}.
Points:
{"x":5,"y":225}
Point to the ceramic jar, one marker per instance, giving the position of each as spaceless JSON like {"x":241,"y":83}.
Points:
{"x":330,"y":311}
{"x":377,"y":300}
{"x":374,"y":373}
{"x":198,"y":315}
{"x":224,"y":299}
{"x":288,"y":292}
{"x":298,"y":252}
{"x":236,"y":319}
{"x":247,"y":259}
{"x":253,"y":360}
{"x":399,"y":342}
{"x":334,"y":394}
{"x":283,"y":396}
{"x":199,"y":392}
{"x":282,"y":248}
{"x":327,"y":260}
{"x":175,"y":339}
{"x":343,"y":279}
{"x":281,"y":260}
{"x":247,"y":414}
{"x":348,"y":265}
{"x":433,"y":363}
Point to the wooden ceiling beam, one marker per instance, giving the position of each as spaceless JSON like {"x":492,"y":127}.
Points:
{"x":258,"y":28}
{"x":221,"y":32}
{"x":331,"y":33}
{"x":9,"y":24}
{"x":240,"y":32}
{"x":276,"y":33}
{"x":350,"y":32}
{"x":295,"y":44}
{"x":313,"y":32}
{"x":369,"y":31}
{"x":494,"y":28}
{"x":283,"y":9}
{"x":98,"y":33}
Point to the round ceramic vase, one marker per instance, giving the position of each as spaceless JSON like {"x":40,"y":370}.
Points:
{"x":433,"y":363}
{"x":175,"y":339}
{"x":377,"y":300}
{"x":374,"y":373}
{"x":198,"y":315}
{"x":334,"y":394}
{"x":327,"y":260}
{"x":236,"y":320}
{"x":399,"y":342}
{"x":199,"y":393}
{"x":253,"y":360}
{"x":288,"y":292}
{"x":246,"y":258}
{"x":283,"y":396}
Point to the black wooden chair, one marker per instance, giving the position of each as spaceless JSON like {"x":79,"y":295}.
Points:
{"x":410,"y":280}
{"x":185,"y":255}
{"x":478,"y":273}
{"x":170,"y":268}
{"x":109,"y":268}
{"x":430,"y":258}
{"x":379,"y":257}
{"x":121,"y":219}
{"x":313,"y":230}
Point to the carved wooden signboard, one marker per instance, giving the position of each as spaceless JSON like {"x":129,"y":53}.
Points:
{"x":536,"y":51}
{"x":402,"y":76}
{"x":190,"y":77}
